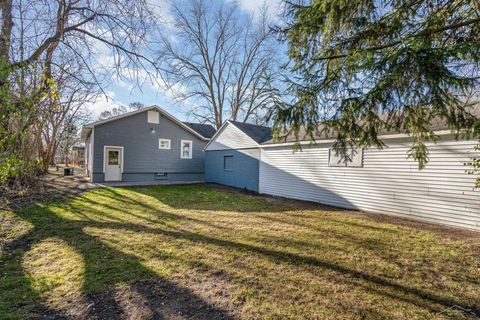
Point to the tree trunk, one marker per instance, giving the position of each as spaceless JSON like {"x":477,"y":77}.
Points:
{"x":7,"y":25}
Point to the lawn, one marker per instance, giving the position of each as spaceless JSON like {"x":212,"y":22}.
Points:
{"x":204,"y":252}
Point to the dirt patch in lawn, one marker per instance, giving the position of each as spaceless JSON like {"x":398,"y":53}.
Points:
{"x":50,"y":186}
{"x":152,"y":299}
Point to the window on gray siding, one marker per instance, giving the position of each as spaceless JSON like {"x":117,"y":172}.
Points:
{"x":164,"y":143}
{"x":228,"y":163}
{"x":354,"y":158}
{"x":186,"y":149}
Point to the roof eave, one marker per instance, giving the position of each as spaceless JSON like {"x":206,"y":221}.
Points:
{"x":331,"y":140}
{"x":85,"y":132}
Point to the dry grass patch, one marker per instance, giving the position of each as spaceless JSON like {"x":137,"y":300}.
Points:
{"x":205,"y":252}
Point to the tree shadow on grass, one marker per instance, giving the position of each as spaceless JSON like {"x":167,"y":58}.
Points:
{"x":423,"y":298}
{"x":419,"y":297}
{"x":144,"y":291}
{"x":142,"y":294}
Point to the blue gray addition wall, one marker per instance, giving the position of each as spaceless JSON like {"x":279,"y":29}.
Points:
{"x":142,"y":157}
{"x":245,"y":168}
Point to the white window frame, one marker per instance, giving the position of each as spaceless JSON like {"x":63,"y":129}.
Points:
{"x":164,"y":140}
{"x":356,"y":162}
{"x":181,"y":149}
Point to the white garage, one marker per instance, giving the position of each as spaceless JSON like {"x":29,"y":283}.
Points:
{"x":382,"y":181}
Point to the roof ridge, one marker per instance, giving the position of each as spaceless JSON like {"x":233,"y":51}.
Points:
{"x":249,"y":124}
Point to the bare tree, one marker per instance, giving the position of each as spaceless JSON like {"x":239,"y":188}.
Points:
{"x":66,"y":107}
{"x":45,"y":42}
{"x":116,"y":111}
{"x":223,"y":60}
{"x":113,"y":112}
{"x":136,"y":105}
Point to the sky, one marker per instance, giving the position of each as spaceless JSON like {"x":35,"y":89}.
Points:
{"x":123,"y":92}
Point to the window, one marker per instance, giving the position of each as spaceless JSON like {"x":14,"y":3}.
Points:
{"x":186,"y":149}
{"x":153,"y":116}
{"x":228,"y":163}
{"x":112,"y":157}
{"x":164,"y":144}
{"x":354,"y":158}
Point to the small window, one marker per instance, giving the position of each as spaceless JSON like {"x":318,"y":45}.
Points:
{"x":153,"y":116}
{"x":228,"y":163}
{"x":186,"y":149}
{"x":354,"y":158}
{"x":112,"y":157}
{"x":164,"y":144}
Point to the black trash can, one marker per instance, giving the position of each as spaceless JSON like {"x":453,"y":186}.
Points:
{"x":68,"y":171}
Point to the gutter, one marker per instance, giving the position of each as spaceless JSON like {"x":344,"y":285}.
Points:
{"x":327,"y":141}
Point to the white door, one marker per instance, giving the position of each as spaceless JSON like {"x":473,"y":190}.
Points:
{"x":113,"y":165}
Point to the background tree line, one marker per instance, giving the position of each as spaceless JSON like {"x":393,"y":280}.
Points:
{"x":47,"y":74}
{"x":359,"y":68}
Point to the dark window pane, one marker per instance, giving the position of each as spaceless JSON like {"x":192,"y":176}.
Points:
{"x":228,"y":163}
{"x":113,"y":157}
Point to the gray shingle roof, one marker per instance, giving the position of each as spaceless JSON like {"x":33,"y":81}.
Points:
{"x":259,"y":134}
{"x":205,"y":130}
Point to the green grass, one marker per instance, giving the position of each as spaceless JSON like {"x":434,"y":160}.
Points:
{"x":234,"y":255}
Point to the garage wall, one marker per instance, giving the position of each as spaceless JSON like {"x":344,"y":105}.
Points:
{"x":387,"y":183}
{"x":245,"y":168}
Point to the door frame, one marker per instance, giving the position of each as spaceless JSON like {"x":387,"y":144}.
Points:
{"x":105,"y":159}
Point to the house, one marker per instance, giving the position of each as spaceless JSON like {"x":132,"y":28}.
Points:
{"x":78,"y":155}
{"x":383,"y":181}
{"x":150,"y":144}
{"x":232,"y":157}
{"x":145,"y":145}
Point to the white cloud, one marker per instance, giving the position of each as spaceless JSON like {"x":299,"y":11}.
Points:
{"x":162,"y":10}
{"x":103,"y":102}
{"x":254,"y":6}
{"x":149,"y":80}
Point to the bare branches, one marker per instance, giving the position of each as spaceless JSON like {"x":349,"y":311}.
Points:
{"x":222,"y":59}
{"x":56,"y":57}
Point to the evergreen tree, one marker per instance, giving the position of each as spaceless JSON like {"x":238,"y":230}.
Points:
{"x":364,"y":67}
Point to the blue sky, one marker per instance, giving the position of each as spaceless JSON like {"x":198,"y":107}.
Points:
{"x":123,"y":92}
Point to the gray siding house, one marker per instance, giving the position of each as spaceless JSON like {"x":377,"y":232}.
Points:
{"x":232,"y":157}
{"x":145,"y":145}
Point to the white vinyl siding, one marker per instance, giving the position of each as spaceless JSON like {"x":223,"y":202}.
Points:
{"x":387,"y":183}
{"x":231,"y":138}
